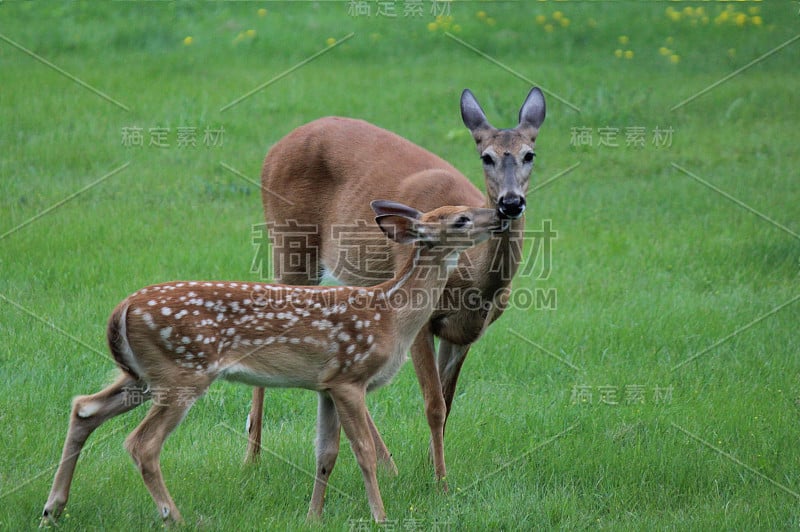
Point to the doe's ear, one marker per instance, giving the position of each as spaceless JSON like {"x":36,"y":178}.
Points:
{"x":533,"y":110}
{"x":472,"y":114}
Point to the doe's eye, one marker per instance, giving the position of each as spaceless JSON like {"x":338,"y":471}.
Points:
{"x":528,"y":157}
{"x":487,"y":160}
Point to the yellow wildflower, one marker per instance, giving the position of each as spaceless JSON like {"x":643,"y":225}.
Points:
{"x":623,"y":39}
{"x":673,"y":15}
{"x":188,"y":40}
{"x":250,"y":33}
{"x":756,"y":20}
{"x":664,"y":51}
{"x":541,"y":19}
{"x":558,"y":15}
{"x":262,"y":12}
{"x":674,"y":59}
{"x":564,"y":22}
{"x":618,"y":53}
{"x":548,"y":28}
{"x":481,"y":14}
{"x":330,"y":41}
{"x":432,"y":26}
{"x":628,"y":54}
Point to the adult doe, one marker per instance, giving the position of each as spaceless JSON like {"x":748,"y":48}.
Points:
{"x":339,"y":160}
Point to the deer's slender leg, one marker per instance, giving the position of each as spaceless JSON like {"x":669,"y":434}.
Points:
{"x":424,"y":358}
{"x":385,"y":459}
{"x":352,"y":409}
{"x":328,"y":434}
{"x":305,"y":271}
{"x":88,"y":413}
{"x":255,"y":420}
{"x":451,"y":358}
{"x":146,"y":441}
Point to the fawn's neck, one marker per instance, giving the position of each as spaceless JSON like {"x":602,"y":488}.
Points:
{"x":417,"y":287}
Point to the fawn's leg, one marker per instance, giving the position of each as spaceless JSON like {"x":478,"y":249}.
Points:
{"x":146,"y":441}
{"x":424,"y":358}
{"x":383,"y":455}
{"x":88,"y":413}
{"x":255,"y":420}
{"x":328,"y":434}
{"x":352,"y":409}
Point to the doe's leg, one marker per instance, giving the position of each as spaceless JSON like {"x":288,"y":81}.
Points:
{"x":451,"y":358}
{"x":286,"y":272}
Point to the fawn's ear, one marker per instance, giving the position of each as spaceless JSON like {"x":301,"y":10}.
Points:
{"x":397,"y":221}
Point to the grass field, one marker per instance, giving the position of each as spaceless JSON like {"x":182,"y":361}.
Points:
{"x":656,"y":386}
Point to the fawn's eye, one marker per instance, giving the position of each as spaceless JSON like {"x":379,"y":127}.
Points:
{"x":487,"y":160}
{"x":528,"y":157}
{"x":462,"y":221}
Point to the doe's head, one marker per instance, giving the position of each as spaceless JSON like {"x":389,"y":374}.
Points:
{"x":507,"y":154}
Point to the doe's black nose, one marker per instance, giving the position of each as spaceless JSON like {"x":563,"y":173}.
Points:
{"x":511,"y":206}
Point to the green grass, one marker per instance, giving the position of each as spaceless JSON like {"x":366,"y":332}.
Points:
{"x":651,"y":267}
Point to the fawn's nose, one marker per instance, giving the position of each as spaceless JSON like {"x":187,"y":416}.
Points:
{"x":511,"y":205}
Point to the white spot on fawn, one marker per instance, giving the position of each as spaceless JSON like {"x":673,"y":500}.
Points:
{"x":148,"y":319}
{"x":166,"y":311}
{"x":88,"y":410}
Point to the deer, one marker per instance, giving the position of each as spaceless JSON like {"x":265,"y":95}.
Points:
{"x":341,"y":159}
{"x":172,"y":341}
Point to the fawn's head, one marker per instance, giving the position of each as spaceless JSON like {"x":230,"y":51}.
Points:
{"x":453,"y":228}
{"x":507,"y":154}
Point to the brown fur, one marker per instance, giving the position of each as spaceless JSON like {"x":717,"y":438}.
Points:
{"x":346,"y":162}
{"x":172,"y":340}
